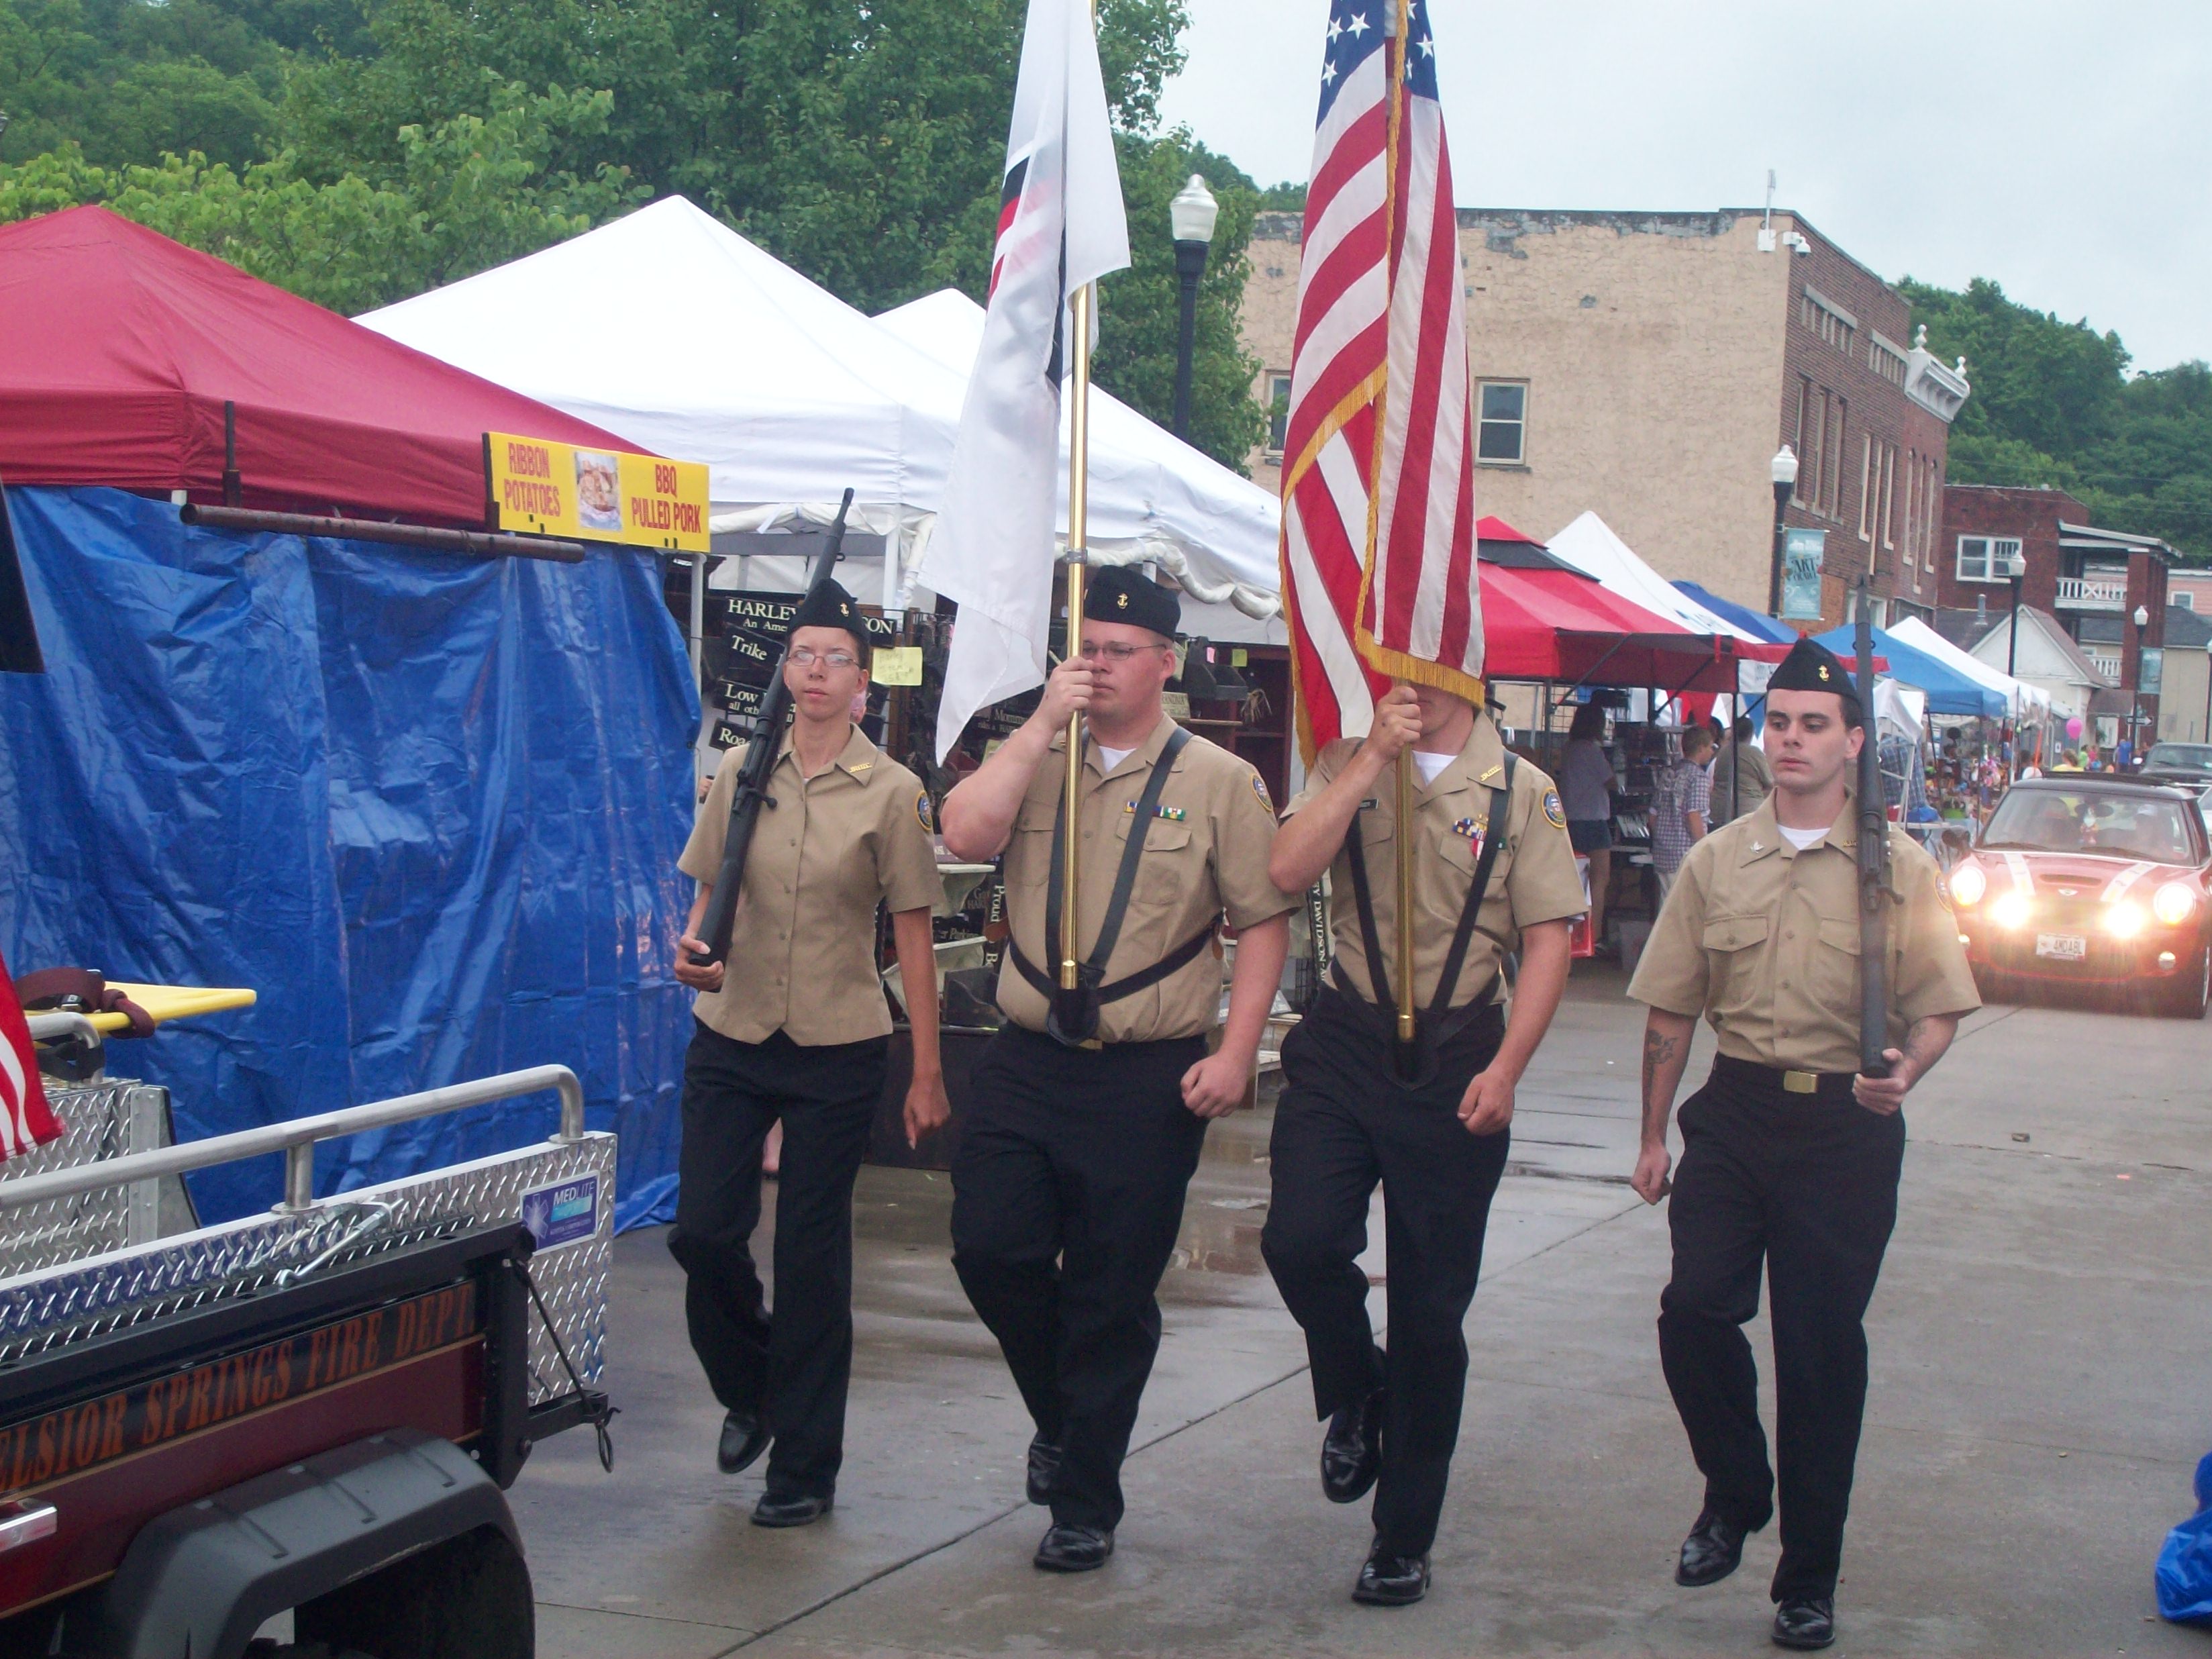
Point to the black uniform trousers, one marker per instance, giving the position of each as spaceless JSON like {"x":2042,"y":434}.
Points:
{"x":1067,"y":1192}
{"x":1805,"y":1184}
{"x":791,"y":1368}
{"x":1342,"y":1123}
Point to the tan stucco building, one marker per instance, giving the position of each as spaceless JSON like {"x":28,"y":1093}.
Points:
{"x":1648,"y":366}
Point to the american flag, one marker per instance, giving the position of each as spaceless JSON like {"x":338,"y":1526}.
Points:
{"x":26,"y":1120}
{"x":1378,"y":546}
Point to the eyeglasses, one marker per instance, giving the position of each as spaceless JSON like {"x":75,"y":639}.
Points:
{"x":805,"y":656}
{"x":1092,"y":650}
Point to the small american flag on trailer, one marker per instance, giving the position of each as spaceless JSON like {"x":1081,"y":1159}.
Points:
{"x":1378,"y":548}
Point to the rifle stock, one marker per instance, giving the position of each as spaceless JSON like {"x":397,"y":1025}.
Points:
{"x":1873,"y":864}
{"x":752,"y":790}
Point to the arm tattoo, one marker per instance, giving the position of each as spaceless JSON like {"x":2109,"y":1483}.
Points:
{"x":1659,"y":1051}
{"x":1922,"y":1049}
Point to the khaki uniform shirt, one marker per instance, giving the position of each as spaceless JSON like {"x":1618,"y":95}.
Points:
{"x":1763,"y":940}
{"x":803,"y":944}
{"x":1205,"y":853}
{"x":1534,"y":879}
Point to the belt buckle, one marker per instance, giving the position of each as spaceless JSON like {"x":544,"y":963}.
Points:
{"x":1802,"y":1083}
{"x":1094,"y":1044}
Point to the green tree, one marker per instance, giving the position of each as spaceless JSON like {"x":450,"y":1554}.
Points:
{"x":1139,"y":308}
{"x":2054,"y":405}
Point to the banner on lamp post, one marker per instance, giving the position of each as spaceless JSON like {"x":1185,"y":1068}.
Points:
{"x":1802,"y":552}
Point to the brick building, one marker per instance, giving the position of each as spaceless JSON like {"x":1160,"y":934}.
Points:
{"x":2093,"y":581}
{"x":1649,"y":365}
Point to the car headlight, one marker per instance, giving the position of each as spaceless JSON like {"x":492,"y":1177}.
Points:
{"x":1968,"y":883}
{"x":2124,"y":919}
{"x":2011,"y":909}
{"x":2174,"y":903}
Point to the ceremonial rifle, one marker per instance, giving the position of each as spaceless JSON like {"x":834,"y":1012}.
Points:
{"x":761,"y":755}
{"x":1874,"y":862}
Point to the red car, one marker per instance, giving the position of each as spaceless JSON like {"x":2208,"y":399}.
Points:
{"x":2087,"y":879}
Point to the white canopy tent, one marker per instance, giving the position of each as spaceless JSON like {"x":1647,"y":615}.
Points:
{"x":670,"y":329}
{"x":2026,"y":701}
{"x":1590,"y":546}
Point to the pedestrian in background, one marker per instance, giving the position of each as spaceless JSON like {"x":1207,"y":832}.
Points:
{"x":1681,"y":801}
{"x":1741,"y":777}
{"x":1586,"y":788}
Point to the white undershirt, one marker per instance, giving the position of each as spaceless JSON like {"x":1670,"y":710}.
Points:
{"x":1801,"y":839}
{"x":1431,"y":764}
{"x":1113,"y":757}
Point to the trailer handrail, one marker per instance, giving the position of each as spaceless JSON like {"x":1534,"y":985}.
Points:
{"x":297,"y":1139}
{"x":52,"y":1026}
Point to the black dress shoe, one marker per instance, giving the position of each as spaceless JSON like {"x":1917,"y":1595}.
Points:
{"x":1352,"y":1451}
{"x":1713,"y":1550}
{"x":742,"y":1441}
{"x":1044,"y":1468}
{"x":1391,"y":1581}
{"x":1806,"y":1623}
{"x":1070,"y":1548}
{"x":791,"y":1508}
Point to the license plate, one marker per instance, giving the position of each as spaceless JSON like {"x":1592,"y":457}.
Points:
{"x":2062,"y":947}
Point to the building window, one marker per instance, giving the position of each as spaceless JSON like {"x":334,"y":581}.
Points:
{"x":2183,"y":597}
{"x":1835,"y":326}
{"x":1886,"y":517}
{"x":1886,"y":359}
{"x":1279,"y":414}
{"x":1833,"y":484}
{"x":1983,"y":558}
{"x":1870,"y":487}
{"x":1502,"y":440}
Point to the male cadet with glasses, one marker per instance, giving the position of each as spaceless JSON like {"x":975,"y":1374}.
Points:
{"x":797,"y":1032}
{"x":1789,"y":1157}
{"x":1493,"y":869}
{"x":1089,"y":1108}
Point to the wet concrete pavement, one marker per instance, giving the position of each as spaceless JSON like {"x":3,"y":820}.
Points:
{"x":2042,"y":1385}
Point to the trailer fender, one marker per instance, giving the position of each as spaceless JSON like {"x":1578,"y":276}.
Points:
{"x":200,"y":1580}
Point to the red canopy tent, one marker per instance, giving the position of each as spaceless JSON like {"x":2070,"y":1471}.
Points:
{"x":1543,"y":620}
{"x":119,"y":348}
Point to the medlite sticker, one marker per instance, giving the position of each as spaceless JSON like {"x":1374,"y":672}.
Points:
{"x":563,"y":1213}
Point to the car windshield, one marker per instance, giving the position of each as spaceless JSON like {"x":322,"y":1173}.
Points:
{"x":2120,"y":825}
{"x":2181,"y":757}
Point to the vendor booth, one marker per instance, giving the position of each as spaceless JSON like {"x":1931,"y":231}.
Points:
{"x":428,"y":803}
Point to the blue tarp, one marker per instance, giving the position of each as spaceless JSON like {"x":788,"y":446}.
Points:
{"x":1949,"y":692}
{"x":1755,"y":623}
{"x":428,"y":807}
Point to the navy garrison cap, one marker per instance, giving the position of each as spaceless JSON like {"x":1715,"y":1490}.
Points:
{"x":829,"y":605}
{"x":1811,"y":666}
{"x":1117,"y":593}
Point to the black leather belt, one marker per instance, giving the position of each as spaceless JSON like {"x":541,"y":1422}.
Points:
{"x":1824,"y":1086}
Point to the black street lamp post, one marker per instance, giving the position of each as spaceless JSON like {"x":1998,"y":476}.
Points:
{"x":2141,"y":620}
{"x":1191,"y":216}
{"x":2015,"y":567}
{"x":1784,"y":472}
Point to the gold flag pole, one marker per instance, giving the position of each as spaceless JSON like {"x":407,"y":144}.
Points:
{"x":1405,"y":941}
{"x":1394,"y":49}
{"x":1078,"y":507}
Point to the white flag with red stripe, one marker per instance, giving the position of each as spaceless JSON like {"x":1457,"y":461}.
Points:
{"x":26,"y":1120}
{"x":1060,"y":224}
{"x":1378,"y":548}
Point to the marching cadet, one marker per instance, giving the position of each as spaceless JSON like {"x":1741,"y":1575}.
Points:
{"x":1090,"y":1108}
{"x":1494,"y":868}
{"x":1787,"y":1156}
{"x":798,"y":1033}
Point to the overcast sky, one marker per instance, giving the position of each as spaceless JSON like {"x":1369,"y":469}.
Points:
{"x":2065,"y":150}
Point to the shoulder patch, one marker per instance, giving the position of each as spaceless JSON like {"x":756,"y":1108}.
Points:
{"x":1553,"y":810}
{"x":921,"y":811}
{"x":1260,"y":788}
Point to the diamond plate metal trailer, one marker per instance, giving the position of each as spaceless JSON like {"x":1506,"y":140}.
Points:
{"x":317,"y":1409}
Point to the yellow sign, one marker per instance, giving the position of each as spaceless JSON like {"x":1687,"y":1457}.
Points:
{"x":546,"y":489}
{"x":898,"y":664}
